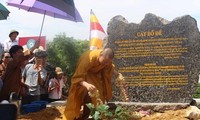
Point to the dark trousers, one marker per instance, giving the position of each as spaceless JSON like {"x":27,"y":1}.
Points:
{"x":44,"y":97}
{"x":30,"y":98}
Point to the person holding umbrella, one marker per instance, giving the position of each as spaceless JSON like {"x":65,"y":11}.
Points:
{"x":12,"y":41}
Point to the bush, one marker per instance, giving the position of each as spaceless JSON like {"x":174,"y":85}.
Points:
{"x":197,"y":93}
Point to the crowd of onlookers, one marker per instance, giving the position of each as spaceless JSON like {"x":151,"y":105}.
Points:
{"x":26,"y":73}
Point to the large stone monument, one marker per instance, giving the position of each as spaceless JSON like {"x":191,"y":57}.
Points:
{"x":159,"y":59}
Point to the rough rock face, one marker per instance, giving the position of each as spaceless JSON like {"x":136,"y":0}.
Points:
{"x":159,"y":59}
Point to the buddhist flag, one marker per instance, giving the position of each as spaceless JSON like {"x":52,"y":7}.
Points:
{"x":97,"y":34}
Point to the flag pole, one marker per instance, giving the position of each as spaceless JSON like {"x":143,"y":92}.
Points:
{"x":90,"y":30}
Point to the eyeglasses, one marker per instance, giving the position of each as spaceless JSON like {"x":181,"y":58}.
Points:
{"x":7,"y":57}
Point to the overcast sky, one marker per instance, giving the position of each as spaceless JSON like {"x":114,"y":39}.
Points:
{"x":29,"y":23}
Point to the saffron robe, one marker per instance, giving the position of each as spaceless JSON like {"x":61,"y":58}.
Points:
{"x":90,"y":70}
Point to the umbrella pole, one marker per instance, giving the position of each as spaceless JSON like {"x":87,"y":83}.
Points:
{"x":42,"y":25}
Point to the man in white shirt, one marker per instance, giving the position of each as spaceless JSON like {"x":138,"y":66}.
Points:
{"x":12,"y":41}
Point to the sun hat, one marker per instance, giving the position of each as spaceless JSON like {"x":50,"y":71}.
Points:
{"x":58,"y":70}
{"x":13,"y":31}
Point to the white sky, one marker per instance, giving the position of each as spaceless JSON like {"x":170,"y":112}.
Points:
{"x":29,"y":23}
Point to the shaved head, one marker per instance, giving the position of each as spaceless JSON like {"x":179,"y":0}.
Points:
{"x":108,"y":52}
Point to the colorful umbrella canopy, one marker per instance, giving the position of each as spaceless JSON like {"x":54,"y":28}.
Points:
{"x":47,"y":8}
{"x":64,"y":5}
{"x":3,"y":12}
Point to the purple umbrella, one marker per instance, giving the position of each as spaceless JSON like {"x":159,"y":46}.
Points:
{"x":62,"y":9}
{"x":64,"y":5}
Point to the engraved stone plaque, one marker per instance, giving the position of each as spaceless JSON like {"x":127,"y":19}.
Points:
{"x":159,"y":59}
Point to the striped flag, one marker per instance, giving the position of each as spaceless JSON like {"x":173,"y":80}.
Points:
{"x":97,"y":34}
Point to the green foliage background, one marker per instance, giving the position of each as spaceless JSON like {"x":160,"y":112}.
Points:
{"x":197,"y":93}
{"x":65,"y":51}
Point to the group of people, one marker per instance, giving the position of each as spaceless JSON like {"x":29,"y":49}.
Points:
{"x":24,"y":72}
{"x":93,"y":74}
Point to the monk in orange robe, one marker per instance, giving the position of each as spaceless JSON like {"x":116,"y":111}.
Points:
{"x":94,"y":72}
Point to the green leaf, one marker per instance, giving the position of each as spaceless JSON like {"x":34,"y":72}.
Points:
{"x":108,"y":114}
{"x":90,"y":106}
{"x":102,"y":108}
{"x":118,"y":110}
{"x":96,"y":115}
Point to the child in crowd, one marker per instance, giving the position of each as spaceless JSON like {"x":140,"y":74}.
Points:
{"x":55,"y":85}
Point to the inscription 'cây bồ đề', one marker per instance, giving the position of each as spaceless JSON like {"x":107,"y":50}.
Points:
{"x":159,"y":59}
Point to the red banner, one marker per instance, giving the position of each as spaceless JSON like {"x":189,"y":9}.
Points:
{"x":28,"y":42}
